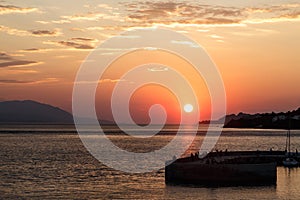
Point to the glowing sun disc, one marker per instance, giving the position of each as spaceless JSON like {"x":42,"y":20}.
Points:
{"x":188,"y":108}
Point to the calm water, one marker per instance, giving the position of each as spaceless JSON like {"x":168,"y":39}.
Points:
{"x":50,"y":162}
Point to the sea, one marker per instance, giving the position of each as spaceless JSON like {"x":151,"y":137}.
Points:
{"x":51,"y":162}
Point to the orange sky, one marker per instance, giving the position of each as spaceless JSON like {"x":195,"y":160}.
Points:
{"x":148,"y":95}
{"x":255,"y":45}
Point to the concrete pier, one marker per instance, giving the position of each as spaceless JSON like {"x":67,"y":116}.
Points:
{"x":227,"y":168}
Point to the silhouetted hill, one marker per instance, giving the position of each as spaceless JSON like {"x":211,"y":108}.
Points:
{"x":226,"y":119}
{"x":32,"y":112}
{"x":290,"y":119}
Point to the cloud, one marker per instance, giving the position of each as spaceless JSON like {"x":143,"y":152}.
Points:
{"x":9,"y":9}
{"x":17,"y":63}
{"x":79,"y":43}
{"x":188,"y":43}
{"x":18,"y":70}
{"x":13,"y":81}
{"x":5,"y":56}
{"x":62,"y":21}
{"x":80,"y":47}
{"x":13,"y":31}
{"x":30,"y":50}
{"x":216,"y":36}
{"x":274,"y":8}
{"x":160,"y":12}
{"x":157,"y":69}
{"x":45,"y":33}
{"x":7,"y":60}
{"x":75,"y":45}
{"x":107,"y":80}
{"x":183,"y":14}
{"x":36,"y":33}
{"x":292,"y":15}
{"x":273,"y":14}
{"x":92,"y":16}
{"x":107,"y":7}
{"x":42,"y":22}
{"x":35,"y":50}
{"x":101,"y":29}
{"x":111,"y":80}
{"x":70,"y":46}
{"x":84,"y":39}
{"x":192,"y":14}
{"x":77,"y":29}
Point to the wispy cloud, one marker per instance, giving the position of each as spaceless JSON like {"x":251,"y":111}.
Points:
{"x":84,"y":39}
{"x":101,"y":12}
{"x":16,"y":70}
{"x":75,"y":45}
{"x":77,"y":29}
{"x":69,"y":46}
{"x":41,"y":33}
{"x":188,"y":43}
{"x":13,"y":31}
{"x":9,"y":9}
{"x":7,"y":60}
{"x":157,"y":69}
{"x":179,"y":14}
{"x":191,"y":14}
{"x":61,"y":21}
{"x":273,"y":14}
{"x":107,"y":80}
{"x":17,"y":63}
{"x":14,"y":81}
{"x":40,"y":50}
{"x":292,"y":15}
{"x":34,"y":50}
{"x":107,"y":7}
{"x":80,"y":43}
{"x":36,"y":33}
{"x":214,"y":36}
{"x":5,"y":56}
{"x":161,"y":12}
{"x":111,"y":80}
{"x":92,"y":16}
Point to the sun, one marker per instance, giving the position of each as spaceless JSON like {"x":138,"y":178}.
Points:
{"x":188,"y":108}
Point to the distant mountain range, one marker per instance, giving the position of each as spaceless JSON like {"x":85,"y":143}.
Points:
{"x":32,"y":112}
{"x":290,"y":119}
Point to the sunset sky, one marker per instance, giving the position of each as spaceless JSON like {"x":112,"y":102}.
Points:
{"x":255,"y":44}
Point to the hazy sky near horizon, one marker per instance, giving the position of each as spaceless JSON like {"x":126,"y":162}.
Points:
{"x":255,"y":44}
